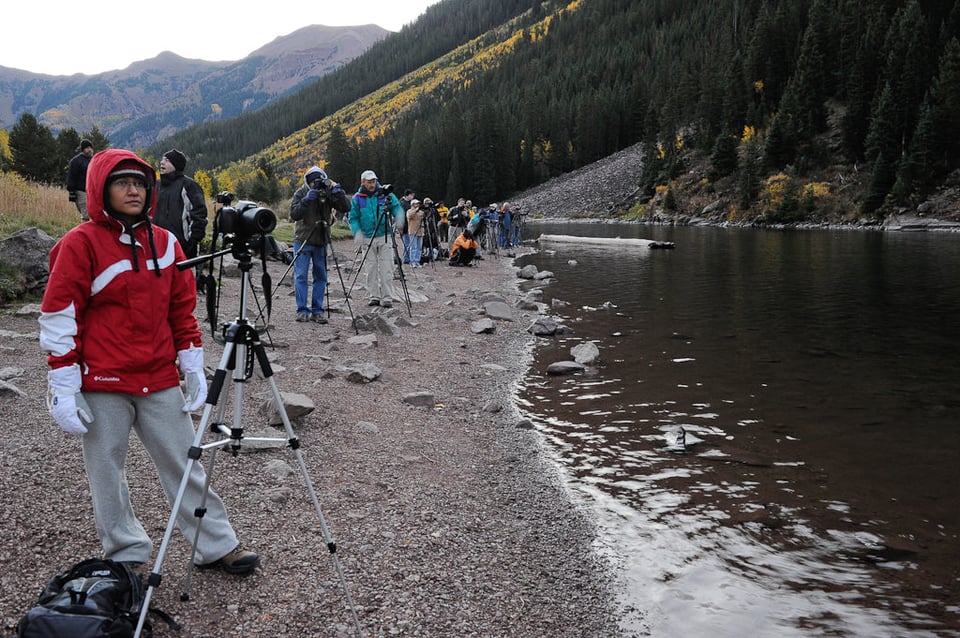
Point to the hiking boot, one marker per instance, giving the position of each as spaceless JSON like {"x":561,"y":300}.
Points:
{"x":240,"y":561}
{"x":386,"y":303}
{"x":318,"y":319}
{"x":302,"y":316}
{"x":373,"y":302}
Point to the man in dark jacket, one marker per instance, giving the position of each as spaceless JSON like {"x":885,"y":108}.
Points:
{"x":181,"y":205}
{"x":77,"y":178}
{"x":312,"y":209}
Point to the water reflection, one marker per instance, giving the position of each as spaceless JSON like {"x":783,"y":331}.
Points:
{"x":770,"y":433}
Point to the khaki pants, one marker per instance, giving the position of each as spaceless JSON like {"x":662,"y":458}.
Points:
{"x":380,"y":269}
{"x":82,"y":206}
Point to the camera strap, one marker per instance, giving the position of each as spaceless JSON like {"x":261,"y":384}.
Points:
{"x":265,"y":280}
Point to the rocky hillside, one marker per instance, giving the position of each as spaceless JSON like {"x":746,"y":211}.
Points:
{"x":151,"y":99}
{"x":604,"y":188}
{"x":609,"y":188}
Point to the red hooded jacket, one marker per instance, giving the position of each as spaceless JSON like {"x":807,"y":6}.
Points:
{"x":105,"y":307}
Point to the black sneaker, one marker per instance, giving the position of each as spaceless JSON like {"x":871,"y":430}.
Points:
{"x":240,"y":561}
{"x":373,"y":302}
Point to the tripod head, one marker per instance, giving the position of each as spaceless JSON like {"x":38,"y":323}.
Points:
{"x":242,"y":231}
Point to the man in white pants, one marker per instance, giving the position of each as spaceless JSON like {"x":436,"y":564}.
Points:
{"x":373,"y":214}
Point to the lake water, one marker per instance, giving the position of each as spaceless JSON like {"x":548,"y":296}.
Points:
{"x":769,"y":441}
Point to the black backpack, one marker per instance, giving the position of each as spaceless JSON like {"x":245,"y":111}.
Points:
{"x":96,"y":598}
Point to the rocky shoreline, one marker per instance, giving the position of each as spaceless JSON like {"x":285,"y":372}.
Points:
{"x":448,"y":515}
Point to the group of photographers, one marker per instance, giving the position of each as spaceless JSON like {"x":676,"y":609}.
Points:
{"x":118,"y":322}
{"x":430,"y":231}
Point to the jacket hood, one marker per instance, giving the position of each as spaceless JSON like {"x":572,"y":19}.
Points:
{"x":316,"y":171}
{"x":100,"y":168}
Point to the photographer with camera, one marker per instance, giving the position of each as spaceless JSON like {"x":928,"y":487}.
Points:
{"x":443,"y":224}
{"x":505,"y":223}
{"x":415,"y":230}
{"x":406,"y":202}
{"x":374,"y":211}
{"x":312,"y":209}
{"x":430,"y":246}
{"x":117,"y":318}
{"x":181,"y":205}
{"x":458,"y":218}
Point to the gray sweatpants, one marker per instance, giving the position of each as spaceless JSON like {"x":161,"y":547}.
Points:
{"x":167,"y":434}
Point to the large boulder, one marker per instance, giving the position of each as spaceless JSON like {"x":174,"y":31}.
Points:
{"x":28,"y":252}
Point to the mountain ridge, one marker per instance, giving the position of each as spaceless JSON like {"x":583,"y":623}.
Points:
{"x":150,"y":99}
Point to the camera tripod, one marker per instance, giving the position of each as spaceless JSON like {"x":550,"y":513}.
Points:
{"x":383,"y":221}
{"x":242,"y":344}
{"x":329,"y":253}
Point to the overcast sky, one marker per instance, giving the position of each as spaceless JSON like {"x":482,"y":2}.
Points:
{"x":62,"y":37}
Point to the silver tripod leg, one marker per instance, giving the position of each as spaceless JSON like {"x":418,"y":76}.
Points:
{"x":294,"y":443}
{"x":235,"y":436}
{"x":193,"y":455}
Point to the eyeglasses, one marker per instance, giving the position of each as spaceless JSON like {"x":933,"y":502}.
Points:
{"x":124,"y":184}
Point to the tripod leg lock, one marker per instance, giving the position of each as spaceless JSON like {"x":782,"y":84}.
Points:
{"x":194,"y":452}
{"x":294,"y":443}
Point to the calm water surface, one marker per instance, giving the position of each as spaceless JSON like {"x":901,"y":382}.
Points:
{"x":769,"y":440}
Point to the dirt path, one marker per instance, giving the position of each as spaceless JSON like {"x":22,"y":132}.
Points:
{"x":448,"y":520}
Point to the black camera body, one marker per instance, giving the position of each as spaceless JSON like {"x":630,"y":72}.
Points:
{"x":245,"y":222}
{"x":321,"y":184}
{"x":224,"y":197}
{"x":384,"y":190}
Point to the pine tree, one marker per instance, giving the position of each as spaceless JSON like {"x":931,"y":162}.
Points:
{"x":34,"y":151}
{"x":945,"y":97}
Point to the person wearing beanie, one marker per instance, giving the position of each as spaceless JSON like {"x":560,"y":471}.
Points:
{"x":77,"y":178}
{"x":117,"y":321}
{"x":181,"y":204}
{"x":312,"y":209}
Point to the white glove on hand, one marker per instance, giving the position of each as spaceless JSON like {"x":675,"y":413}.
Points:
{"x":64,"y":401}
{"x":191,"y":363}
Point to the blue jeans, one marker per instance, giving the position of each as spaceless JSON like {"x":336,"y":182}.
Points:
{"x":503,"y":238}
{"x":416,"y":248}
{"x":307,"y":254}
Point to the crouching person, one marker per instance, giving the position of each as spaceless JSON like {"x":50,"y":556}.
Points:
{"x":464,"y":249}
{"x":116,"y":319}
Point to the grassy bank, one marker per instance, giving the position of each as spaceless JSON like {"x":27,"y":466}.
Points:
{"x":25,"y":204}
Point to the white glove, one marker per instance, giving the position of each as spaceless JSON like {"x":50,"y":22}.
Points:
{"x":358,"y":238}
{"x":191,"y":363}
{"x":64,"y":401}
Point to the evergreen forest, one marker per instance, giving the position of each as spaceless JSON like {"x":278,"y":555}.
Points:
{"x":486,"y":99}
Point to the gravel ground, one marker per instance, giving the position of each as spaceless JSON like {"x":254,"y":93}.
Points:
{"x":449,"y":519}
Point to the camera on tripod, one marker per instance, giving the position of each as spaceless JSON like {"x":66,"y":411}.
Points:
{"x":384,"y":190}
{"x":245,"y":223}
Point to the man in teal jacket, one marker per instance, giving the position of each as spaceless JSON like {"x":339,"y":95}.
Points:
{"x":373,"y":213}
